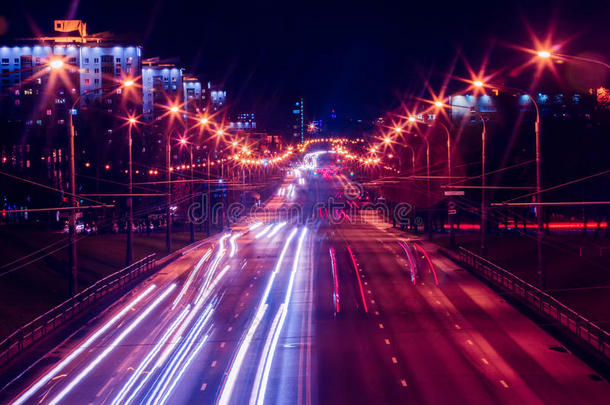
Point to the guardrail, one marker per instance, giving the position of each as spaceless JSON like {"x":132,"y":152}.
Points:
{"x":571,"y":322}
{"x":40,"y":327}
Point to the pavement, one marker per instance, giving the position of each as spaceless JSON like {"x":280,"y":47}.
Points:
{"x":334,"y":309}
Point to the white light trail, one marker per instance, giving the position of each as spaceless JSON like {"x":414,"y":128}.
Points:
{"x":254,"y":226}
{"x":48,"y":376}
{"x":76,"y":380}
{"x":263,"y":232}
{"x":233,"y":244}
{"x":170,"y":370}
{"x":235,"y":367}
{"x":276,"y":229}
{"x":118,"y":400}
{"x":264,"y":367}
{"x":191,"y":277}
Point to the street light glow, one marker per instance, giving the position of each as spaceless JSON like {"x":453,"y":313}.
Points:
{"x":411,"y":119}
{"x":128,"y":83}
{"x":544,"y":54}
{"x":132,"y":121}
{"x":203,"y":121}
{"x":387,"y":139}
{"x":438,"y":104}
{"x":220,"y":132}
{"x":174,"y":109}
{"x":56,"y":63}
{"x":478,"y":83}
{"x":182,"y":141}
{"x":397,"y":130}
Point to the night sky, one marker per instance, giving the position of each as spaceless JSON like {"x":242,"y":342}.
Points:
{"x":360,"y":59}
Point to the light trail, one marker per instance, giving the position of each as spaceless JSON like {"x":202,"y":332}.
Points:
{"x":48,"y":376}
{"x":110,"y":348}
{"x":235,"y":367}
{"x":254,"y":226}
{"x":403,"y":245}
{"x":263,"y":232}
{"x":159,"y":390}
{"x":206,"y":292}
{"x":118,"y":400}
{"x":262,"y":375}
{"x":276,"y":229}
{"x":233,"y":244}
{"x":351,"y":254}
{"x":429,"y":261}
{"x":333,"y":264}
{"x":191,"y":277}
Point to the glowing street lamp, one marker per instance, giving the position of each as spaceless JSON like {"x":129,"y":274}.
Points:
{"x":220,"y":132}
{"x":132,"y":121}
{"x":543,"y":54}
{"x":412,"y":119}
{"x":56,"y":64}
{"x":174,"y":109}
{"x":203,"y":121}
{"x":128,"y":83}
{"x":438,"y":104}
{"x":387,"y":140}
{"x":478,"y":83}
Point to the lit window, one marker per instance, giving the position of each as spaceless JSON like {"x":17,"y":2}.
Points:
{"x":87,"y":81}
{"x":49,"y":111}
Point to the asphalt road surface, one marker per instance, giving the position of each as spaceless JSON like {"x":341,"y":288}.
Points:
{"x":310,"y":301}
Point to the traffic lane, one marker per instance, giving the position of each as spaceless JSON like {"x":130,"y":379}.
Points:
{"x":174,"y":272}
{"x":488,"y":347}
{"x":532,"y":354}
{"x":240,"y":301}
{"x":348,"y":352}
{"x":291,"y":374}
{"x":423,"y":349}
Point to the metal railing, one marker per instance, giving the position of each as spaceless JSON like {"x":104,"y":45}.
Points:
{"x":571,"y":322}
{"x":40,"y":327}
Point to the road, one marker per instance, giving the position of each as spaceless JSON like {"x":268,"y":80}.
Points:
{"x":336,"y":309}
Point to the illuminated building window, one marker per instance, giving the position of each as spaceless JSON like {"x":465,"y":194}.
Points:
{"x":87,"y":81}
{"x":49,"y":111}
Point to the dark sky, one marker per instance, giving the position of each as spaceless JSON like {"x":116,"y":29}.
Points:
{"x":357,"y":58}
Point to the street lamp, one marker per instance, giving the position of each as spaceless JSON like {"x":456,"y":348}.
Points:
{"x":129,"y":254}
{"x":56,"y":63}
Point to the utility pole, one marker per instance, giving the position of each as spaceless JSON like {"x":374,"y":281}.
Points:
{"x":191,"y":189}
{"x":129,"y":254}
{"x":72,"y":223}
{"x":168,"y":225}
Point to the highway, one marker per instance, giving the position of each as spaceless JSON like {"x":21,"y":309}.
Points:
{"x":306,"y":303}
